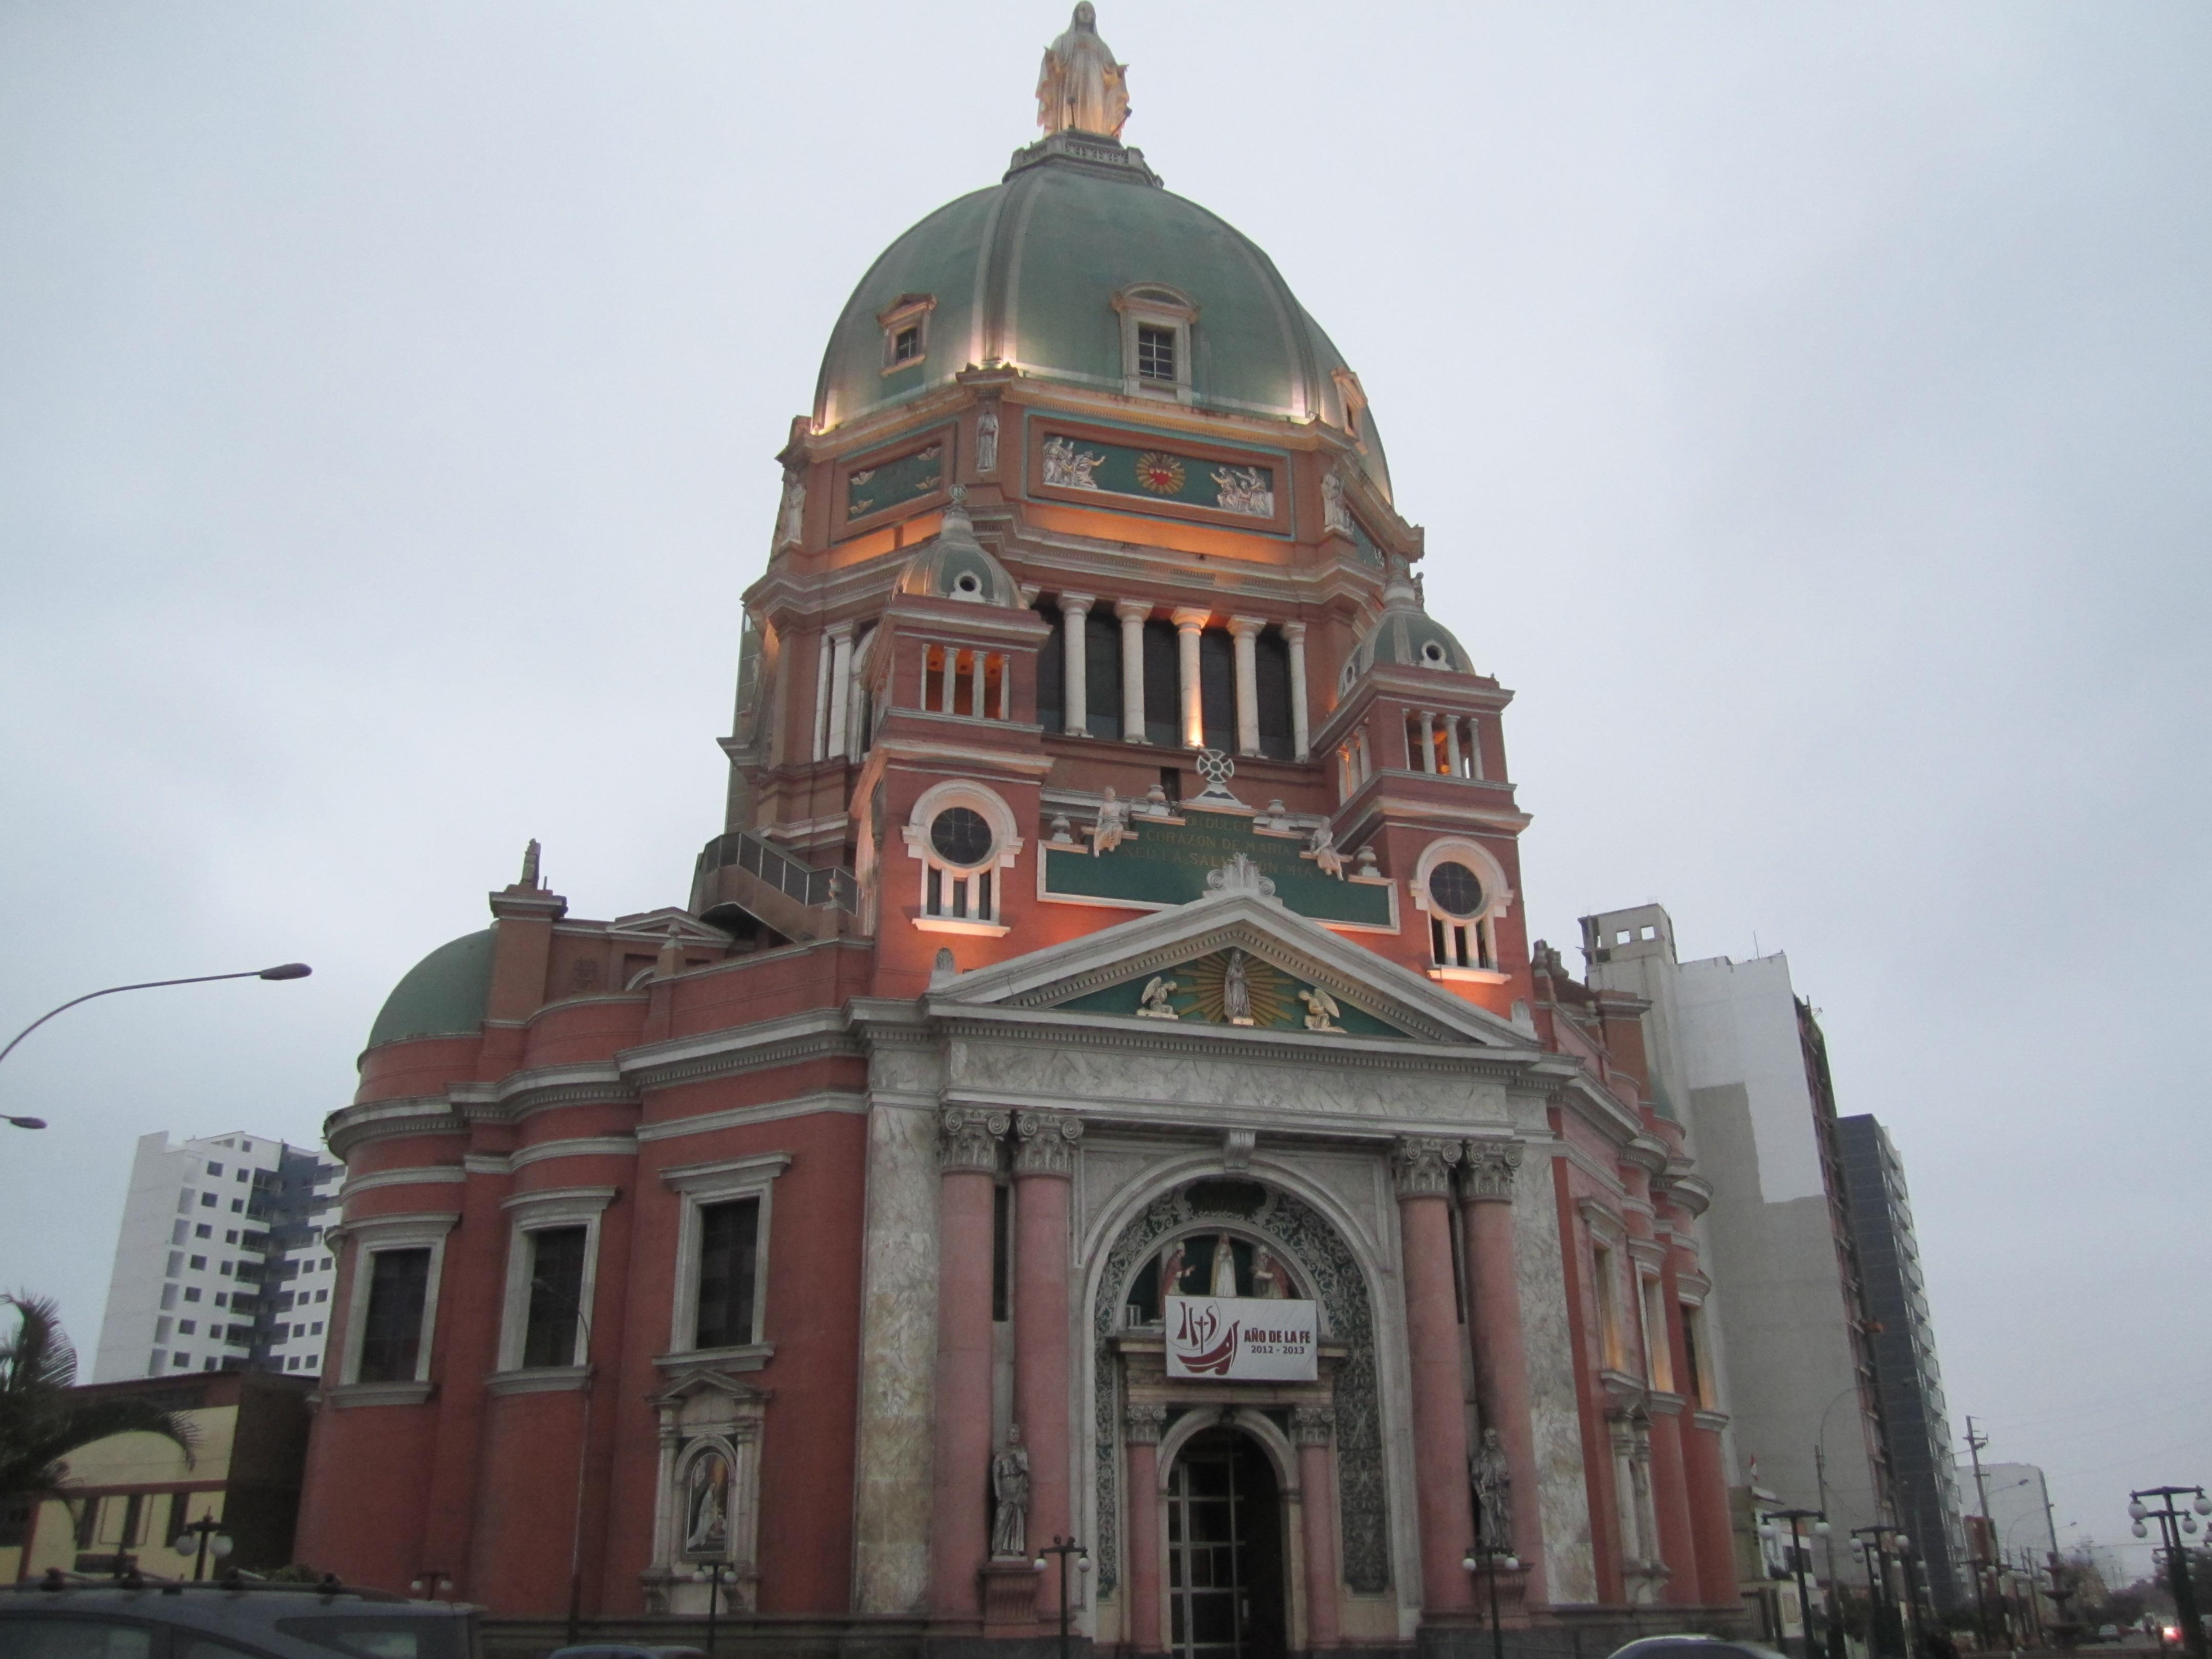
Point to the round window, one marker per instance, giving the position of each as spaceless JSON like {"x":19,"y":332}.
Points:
{"x":967,"y":582}
{"x":1433,"y":652}
{"x":1454,"y":890}
{"x":960,"y":836}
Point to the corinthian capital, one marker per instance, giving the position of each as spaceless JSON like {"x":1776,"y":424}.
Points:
{"x":1311,"y":1425}
{"x":968,"y":1139}
{"x":1045,"y":1143}
{"x":1490,"y":1167}
{"x":1142,"y":1425}
{"x":1423,"y":1165}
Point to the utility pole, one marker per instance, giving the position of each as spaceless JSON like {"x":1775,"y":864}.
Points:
{"x":1975,"y":1441}
{"x":2173,"y":1520}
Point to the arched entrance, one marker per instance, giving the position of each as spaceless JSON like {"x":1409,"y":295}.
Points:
{"x":1227,"y":1583}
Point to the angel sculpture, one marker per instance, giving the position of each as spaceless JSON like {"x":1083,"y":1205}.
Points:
{"x":1326,"y":858}
{"x":1321,"y":1012}
{"x":1153,"y":1003}
{"x":1113,"y":825}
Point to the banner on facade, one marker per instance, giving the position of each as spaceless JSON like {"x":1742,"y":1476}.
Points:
{"x":1252,"y":1337}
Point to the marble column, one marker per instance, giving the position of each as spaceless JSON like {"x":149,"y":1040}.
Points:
{"x":1501,"y":1354}
{"x":1245,"y":631}
{"x":1311,"y":1427}
{"x":1451,"y":744}
{"x":1132,"y":614}
{"x":1075,"y":679}
{"x":1044,"y":1167}
{"x":1301,"y":724}
{"x":1189,"y":625}
{"x":1423,"y":1166}
{"x":1141,"y":1439}
{"x":968,"y":1163}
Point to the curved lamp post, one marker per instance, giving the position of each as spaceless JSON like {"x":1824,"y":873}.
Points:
{"x":281,"y":970}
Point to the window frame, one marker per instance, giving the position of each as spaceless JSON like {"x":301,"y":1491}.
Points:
{"x":370,"y":1238}
{"x":908,"y":311}
{"x":1155,"y":305}
{"x":696,"y":1186}
{"x":1482,"y":926}
{"x":1006,"y":851}
{"x":530,"y":1214}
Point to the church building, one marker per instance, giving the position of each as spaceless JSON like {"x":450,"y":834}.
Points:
{"x":1099,"y":1087}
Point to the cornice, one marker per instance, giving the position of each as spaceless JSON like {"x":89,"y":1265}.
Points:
{"x":795,"y":1037}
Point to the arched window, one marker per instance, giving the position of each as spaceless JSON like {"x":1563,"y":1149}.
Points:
{"x":963,"y":836}
{"x":1460,"y":888}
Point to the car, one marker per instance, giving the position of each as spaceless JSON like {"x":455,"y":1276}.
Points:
{"x":59,"y":1617}
{"x":625,"y":1650}
{"x":1688,"y":1646}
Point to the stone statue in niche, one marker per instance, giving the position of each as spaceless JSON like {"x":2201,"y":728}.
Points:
{"x":1322,"y":850}
{"x":1080,"y":89}
{"x":1493,"y":1491}
{"x":707,"y":1506}
{"x":1321,"y":1012}
{"x":1334,"y":517}
{"x":1153,"y":1003}
{"x":1225,"y":1268}
{"x":986,"y":442}
{"x":1171,"y":1270}
{"x":1237,"y":990}
{"x":1010,"y":1490}
{"x":1270,"y":1282}
{"x":1113,"y":824}
{"x":791,"y":516}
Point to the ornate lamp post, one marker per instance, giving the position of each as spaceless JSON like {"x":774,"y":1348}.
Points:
{"x":1798,"y":1556}
{"x":429,"y":1581}
{"x":1886,"y":1610}
{"x":1491,"y":1559}
{"x":201,"y":1539}
{"x":2172,"y":1522}
{"x":1064,"y":1548}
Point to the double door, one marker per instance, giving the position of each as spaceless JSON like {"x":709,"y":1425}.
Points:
{"x":1224,"y":1527}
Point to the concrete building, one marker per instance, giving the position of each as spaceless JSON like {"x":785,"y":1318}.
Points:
{"x":132,"y":1495}
{"x":220,"y":1262}
{"x":2019,"y":1508}
{"x":1094,"y":1085}
{"x":1739,"y":1060}
{"x":1915,"y":1425}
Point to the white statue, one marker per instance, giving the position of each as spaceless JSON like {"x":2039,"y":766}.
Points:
{"x":1247,"y":489}
{"x":791,"y":520}
{"x":1113,"y":825}
{"x":1066,"y":467}
{"x":1237,"y":990}
{"x":1326,"y":858}
{"x":707,"y":1531}
{"x":1225,"y":1268}
{"x":1010,"y":1486}
{"x":1154,"y":1003}
{"x":1321,"y":1012}
{"x":1334,"y":516}
{"x":1080,"y":87}
{"x":1493,"y":1491}
{"x":987,"y":442}
{"x":1171,"y":1270}
{"x":1270,"y":1283}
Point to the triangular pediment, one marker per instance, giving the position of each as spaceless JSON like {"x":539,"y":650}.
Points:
{"x":1173,"y":968}
{"x":657,"y":926}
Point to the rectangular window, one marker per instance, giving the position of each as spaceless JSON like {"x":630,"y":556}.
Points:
{"x":207,"y":1201}
{"x":556,"y":1292}
{"x":1658,"y":1354}
{"x":188,"y":1327}
{"x":178,"y":1503}
{"x":1693,"y":1361}
{"x":198,"y":1262}
{"x":203,"y":1232}
{"x":1608,"y":1314}
{"x":87,"y":1522}
{"x":391,"y":1332}
{"x":1156,"y":352}
{"x":729,"y":1248}
{"x":215,"y":1169}
{"x":191,"y":1292}
{"x":906,"y":344}
{"x":134,"y":1515}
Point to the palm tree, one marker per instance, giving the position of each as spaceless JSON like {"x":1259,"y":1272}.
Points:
{"x":43,"y":1419}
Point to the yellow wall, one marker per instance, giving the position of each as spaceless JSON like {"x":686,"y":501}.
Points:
{"x":139,"y":1460}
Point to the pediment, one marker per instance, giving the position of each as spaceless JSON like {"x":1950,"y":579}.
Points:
{"x":1107,"y":976}
{"x":656,"y":927}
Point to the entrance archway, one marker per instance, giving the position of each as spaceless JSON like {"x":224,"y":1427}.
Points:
{"x":1228,"y":1583}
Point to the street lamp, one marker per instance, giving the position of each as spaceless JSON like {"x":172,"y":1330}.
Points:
{"x":1492,"y":1558}
{"x":429,"y":1582}
{"x":1063,"y":1547}
{"x":281,"y":970}
{"x":539,"y":1282}
{"x":2173,"y":1520}
{"x":203,"y":1537}
{"x":1796,"y":1518}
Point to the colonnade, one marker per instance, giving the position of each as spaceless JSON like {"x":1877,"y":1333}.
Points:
{"x":1190,"y":716}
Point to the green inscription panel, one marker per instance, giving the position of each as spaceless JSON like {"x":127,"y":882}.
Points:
{"x":1167,"y":863}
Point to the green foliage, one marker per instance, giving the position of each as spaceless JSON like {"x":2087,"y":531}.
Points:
{"x":43,"y":1419}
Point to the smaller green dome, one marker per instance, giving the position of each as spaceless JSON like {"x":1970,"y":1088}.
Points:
{"x":953,"y":565}
{"x":442,"y":995}
{"x":1406,"y":636}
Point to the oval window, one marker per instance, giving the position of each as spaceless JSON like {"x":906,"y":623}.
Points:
{"x":1454,"y":890}
{"x":1433,"y":652}
{"x":960,"y":836}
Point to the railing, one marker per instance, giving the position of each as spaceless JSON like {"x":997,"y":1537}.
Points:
{"x":833,"y":887}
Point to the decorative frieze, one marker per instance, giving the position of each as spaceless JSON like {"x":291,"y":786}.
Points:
{"x":1490,"y":1168}
{"x":1312,"y":1426}
{"x":968,"y":1139}
{"x":1045,"y":1143}
{"x":1422,"y":1166}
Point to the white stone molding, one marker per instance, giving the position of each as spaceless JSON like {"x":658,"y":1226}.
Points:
{"x":705,"y":1416}
{"x":579,"y":1147}
{"x":696,"y":1186}
{"x":1075,"y":680}
{"x":1489,"y":1170}
{"x":1497,"y":900}
{"x":1132,"y":615}
{"x":1422,"y":1166}
{"x":1236,"y":1146}
{"x":1045,"y":1143}
{"x":1244,"y":631}
{"x":1294,"y":634}
{"x":1190,"y":623}
{"x":535,"y":1213}
{"x":968,"y":1139}
{"x":438,"y":1175}
{"x":1156,"y":305}
{"x":1006,"y":850}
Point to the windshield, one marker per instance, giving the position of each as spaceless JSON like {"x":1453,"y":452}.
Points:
{"x":386,"y":1636}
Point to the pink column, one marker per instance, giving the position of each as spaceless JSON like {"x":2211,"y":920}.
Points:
{"x":1044,"y":1161}
{"x":1141,"y":1435}
{"x":1501,"y":1358}
{"x":1310,"y":1426}
{"x":968,"y":1159}
{"x":1432,"y":1339}
{"x":1670,"y":1496}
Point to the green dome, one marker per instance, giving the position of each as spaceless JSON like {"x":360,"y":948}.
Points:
{"x":1027,"y":273}
{"x":1406,"y":636}
{"x":442,"y":995}
{"x":953,"y":565}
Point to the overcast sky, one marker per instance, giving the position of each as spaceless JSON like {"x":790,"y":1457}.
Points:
{"x":1808,"y":406}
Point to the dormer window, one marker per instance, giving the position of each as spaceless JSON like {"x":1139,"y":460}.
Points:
{"x":1156,"y":354}
{"x":906,"y":331}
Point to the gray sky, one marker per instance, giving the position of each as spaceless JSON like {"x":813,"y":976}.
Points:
{"x":1808,"y":406}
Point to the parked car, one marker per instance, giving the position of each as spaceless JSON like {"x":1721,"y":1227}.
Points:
{"x":1680,"y":1647}
{"x":61,"y":1618}
{"x":625,"y":1650}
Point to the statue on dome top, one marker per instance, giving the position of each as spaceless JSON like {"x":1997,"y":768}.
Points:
{"x":1081,"y":88}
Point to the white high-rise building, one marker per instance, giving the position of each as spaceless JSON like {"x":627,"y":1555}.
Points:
{"x":220,"y":1264}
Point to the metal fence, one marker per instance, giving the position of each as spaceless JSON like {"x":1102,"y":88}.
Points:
{"x":803,"y":883}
